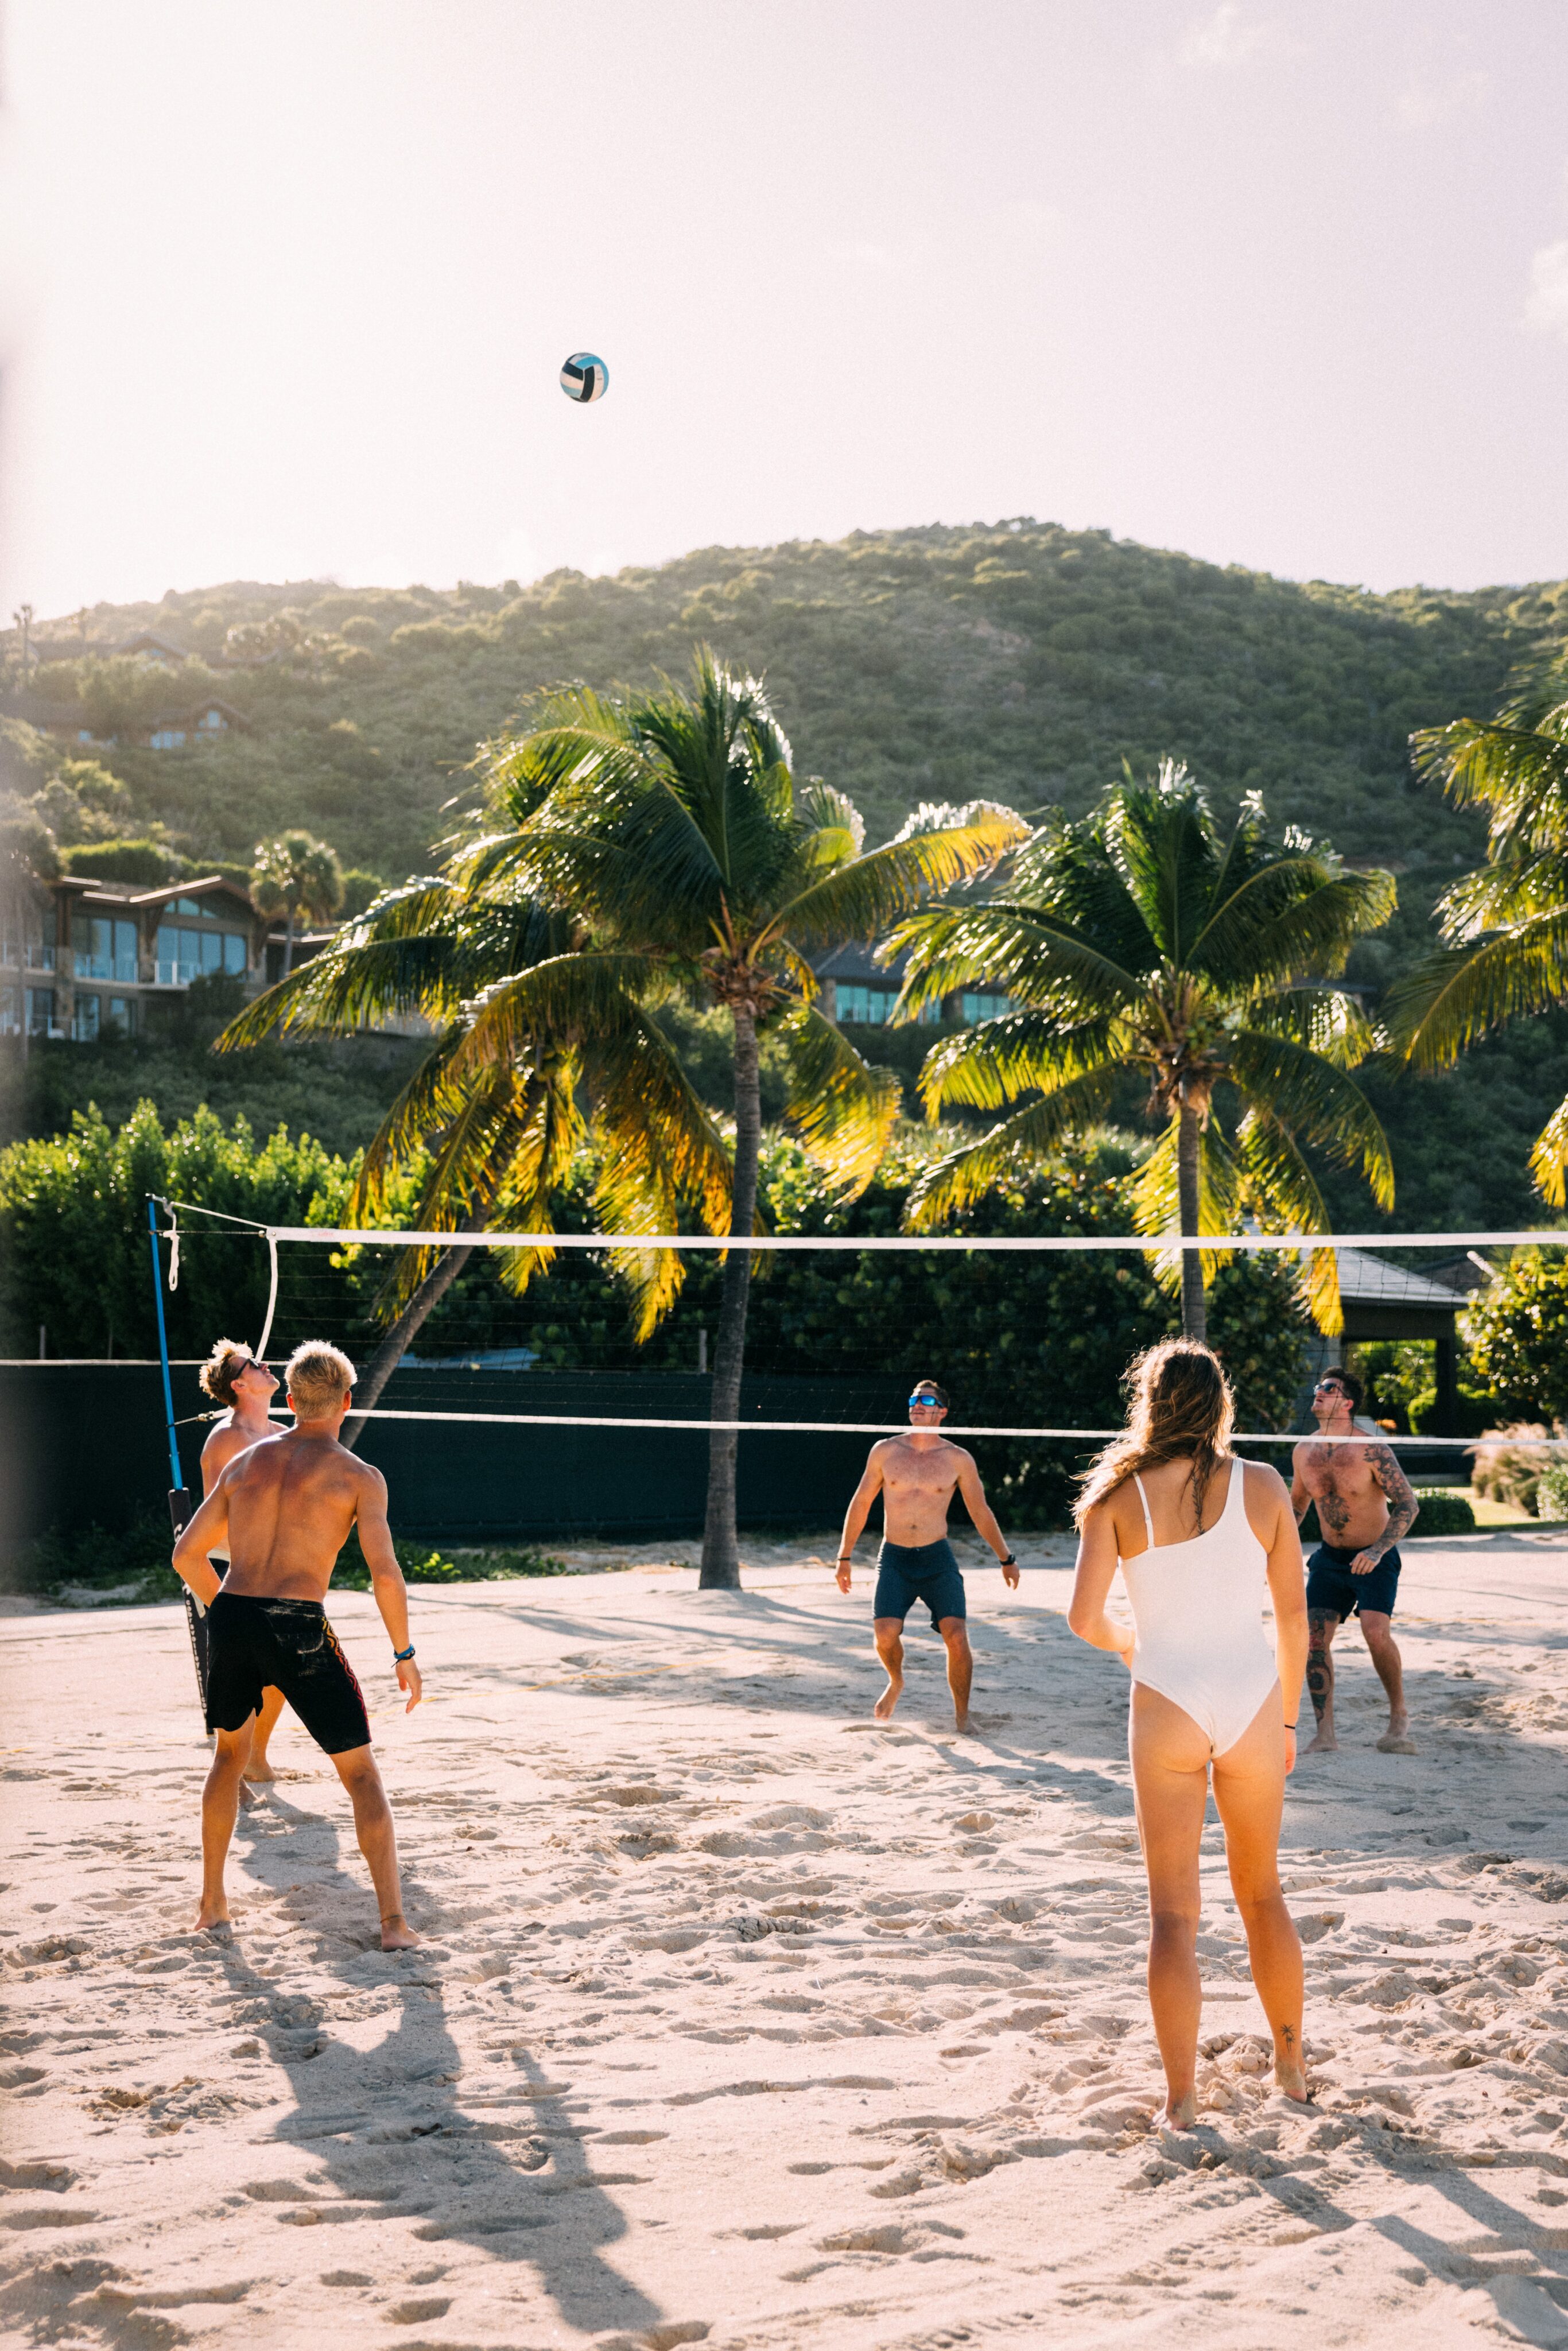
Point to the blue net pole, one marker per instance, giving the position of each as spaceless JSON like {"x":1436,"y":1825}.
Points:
{"x":180,"y":1512}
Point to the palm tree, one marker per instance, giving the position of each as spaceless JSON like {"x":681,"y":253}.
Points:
{"x":1142,"y":939}
{"x":1504,"y":926}
{"x":295,"y":874}
{"x":633,"y":852}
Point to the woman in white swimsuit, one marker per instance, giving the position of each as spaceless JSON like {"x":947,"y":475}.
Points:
{"x":1198,"y":1533}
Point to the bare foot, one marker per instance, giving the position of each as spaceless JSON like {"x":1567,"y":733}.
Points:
{"x":883,"y":1710}
{"x":1291,"y":2079}
{"x":961,"y":1725}
{"x":1394,"y":1741}
{"x":211,"y":1914}
{"x":259,"y":1769}
{"x":248,"y":1799}
{"x":1181,"y":2114}
{"x":397,"y":1935}
{"x":1325,"y":1743}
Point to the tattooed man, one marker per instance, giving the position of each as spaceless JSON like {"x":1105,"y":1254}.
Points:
{"x":1364,"y":1505}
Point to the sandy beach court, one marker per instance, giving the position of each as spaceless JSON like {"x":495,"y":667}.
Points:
{"x":742,"y":2022}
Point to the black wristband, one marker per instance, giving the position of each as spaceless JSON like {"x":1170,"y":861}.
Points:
{"x":401,"y":1656}
{"x":1010,"y":1561}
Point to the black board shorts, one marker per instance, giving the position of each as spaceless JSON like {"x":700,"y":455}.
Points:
{"x":1332,"y":1588}
{"x":255,"y":1645}
{"x":906,"y":1573}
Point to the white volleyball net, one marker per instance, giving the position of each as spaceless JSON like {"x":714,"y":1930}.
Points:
{"x":1030,"y":1332}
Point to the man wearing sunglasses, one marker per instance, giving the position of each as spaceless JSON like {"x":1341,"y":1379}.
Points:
{"x":1364,"y":1505}
{"x":916,"y":1476}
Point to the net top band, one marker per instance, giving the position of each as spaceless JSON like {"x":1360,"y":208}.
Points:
{"x":358,"y":1236}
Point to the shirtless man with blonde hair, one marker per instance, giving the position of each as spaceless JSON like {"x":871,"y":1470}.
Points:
{"x":916,"y":1476}
{"x":233,"y":1378}
{"x":286,"y":1507}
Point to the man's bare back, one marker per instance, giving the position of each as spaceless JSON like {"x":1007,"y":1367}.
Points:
{"x":292,"y":1503}
{"x":284,"y":1508}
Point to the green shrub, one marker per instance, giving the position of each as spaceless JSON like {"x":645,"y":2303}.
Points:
{"x":1516,"y":1333}
{"x":1443,"y":1514}
{"x":1552,"y":1490}
{"x":144,"y":862}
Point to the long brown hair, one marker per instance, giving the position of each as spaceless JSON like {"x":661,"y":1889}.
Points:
{"x":1180,"y":1405}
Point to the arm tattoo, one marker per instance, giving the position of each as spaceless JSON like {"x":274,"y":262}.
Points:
{"x":1402,"y":1503}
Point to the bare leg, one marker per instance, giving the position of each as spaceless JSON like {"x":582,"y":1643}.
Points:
{"x":374,"y":1827}
{"x":220,"y":1807}
{"x":960,"y":1666}
{"x":888,"y":1634}
{"x":259,"y":1768}
{"x":1379,"y":1632}
{"x":1250,"y":1792}
{"x":1322,"y":1624}
{"x":1170,"y":1778}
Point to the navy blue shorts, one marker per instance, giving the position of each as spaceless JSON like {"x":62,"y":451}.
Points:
{"x":906,"y":1573}
{"x":1333,"y":1590}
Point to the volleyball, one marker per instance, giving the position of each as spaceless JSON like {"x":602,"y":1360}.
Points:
{"x":585,"y":377}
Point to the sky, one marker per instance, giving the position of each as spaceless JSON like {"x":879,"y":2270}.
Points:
{"x":285,"y":285}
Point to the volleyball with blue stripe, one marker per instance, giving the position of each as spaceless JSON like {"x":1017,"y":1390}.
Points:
{"x":585,"y":377}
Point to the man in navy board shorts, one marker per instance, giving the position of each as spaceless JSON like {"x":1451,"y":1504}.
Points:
{"x":916,"y":1475}
{"x":1364,"y":1505}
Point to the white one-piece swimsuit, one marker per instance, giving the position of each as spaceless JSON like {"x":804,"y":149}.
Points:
{"x":1198,"y":1609}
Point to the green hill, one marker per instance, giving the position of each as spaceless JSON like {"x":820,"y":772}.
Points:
{"x":1017,"y":660}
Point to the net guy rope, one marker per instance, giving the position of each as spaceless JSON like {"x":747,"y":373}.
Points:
{"x":860,"y":1245}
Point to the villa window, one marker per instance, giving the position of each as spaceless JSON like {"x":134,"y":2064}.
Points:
{"x":979,"y":1005}
{"x":84,"y":1021}
{"x":184,"y":955}
{"x":103,"y":947}
{"x":122,"y":1014}
{"x":872,"y":1007}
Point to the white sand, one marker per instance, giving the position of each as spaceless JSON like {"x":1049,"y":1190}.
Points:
{"x":742,"y":2022}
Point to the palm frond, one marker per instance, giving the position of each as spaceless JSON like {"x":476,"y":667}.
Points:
{"x":843,"y":1109}
{"x":1549,"y":1158}
{"x":1035,"y":957}
{"x":1457,"y":993}
{"x":960,"y":1177}
{"x":989,"y":1065}
{"x":936,"y":849}
{"x":1286,"y":1193}
{"x":1156,"y":1198}
{"x":1311,"y":1097}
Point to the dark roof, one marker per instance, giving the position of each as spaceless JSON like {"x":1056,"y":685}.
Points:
{"x":857,"y":961}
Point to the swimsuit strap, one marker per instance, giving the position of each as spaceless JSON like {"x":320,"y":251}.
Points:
{"x":1148,"y":1521}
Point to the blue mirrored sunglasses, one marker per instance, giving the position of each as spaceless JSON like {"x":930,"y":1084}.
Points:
{"x":933,"y":1403}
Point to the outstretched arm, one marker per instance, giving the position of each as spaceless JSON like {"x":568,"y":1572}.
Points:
{"x":1401,"y":1507}
{"x":209,"y":1526}
{"x":986,"y":1525}
{"x":859,"y":1510}
{"x":386,"y":1577}
{"x":1097,"y":1559}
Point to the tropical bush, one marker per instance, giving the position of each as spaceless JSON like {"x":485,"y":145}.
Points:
{"x":1516,"y":1333}
{"x":1509,"y":1466}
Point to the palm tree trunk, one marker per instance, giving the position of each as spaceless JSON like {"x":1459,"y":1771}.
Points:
{"x":721,"y":1562}
{"x":1193,"y":1309}
{"x":288,"y":945}
{"x":393,"y":1347}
